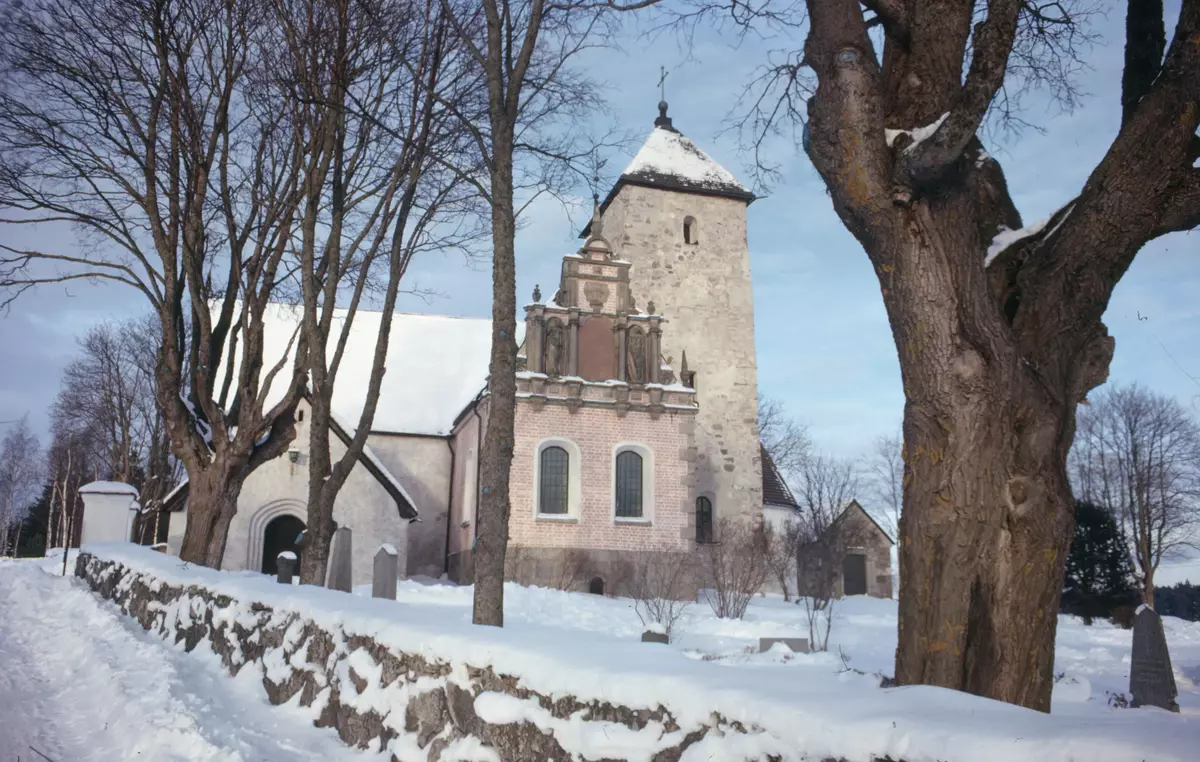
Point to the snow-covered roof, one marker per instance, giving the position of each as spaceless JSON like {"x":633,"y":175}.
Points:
{"x":435,"y":366}
{"x":108,"y":488}
{"x":670,"y":160}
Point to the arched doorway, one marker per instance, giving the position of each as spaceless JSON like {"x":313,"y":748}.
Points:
{"x":279,"y":535}
{"x":596,"y":586}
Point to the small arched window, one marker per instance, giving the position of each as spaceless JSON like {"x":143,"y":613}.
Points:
{"x":704,"y":521}
{"x":629,"y":485}
{"x":689,"y":229}
{"x":553,"y":473}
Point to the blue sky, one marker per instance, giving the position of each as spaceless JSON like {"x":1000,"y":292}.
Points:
{"x":824,"y":346}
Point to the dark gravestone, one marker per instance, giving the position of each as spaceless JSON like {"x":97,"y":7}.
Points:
{"x":285,"y":563}
{"x":1151,"y":681}
{"x":649,"y":636}
{"x":383,"y":579}
{"x":340,"y":570}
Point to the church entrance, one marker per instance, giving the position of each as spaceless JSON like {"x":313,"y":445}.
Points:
{"x":279,"y":535}
{"x":854,"y":574}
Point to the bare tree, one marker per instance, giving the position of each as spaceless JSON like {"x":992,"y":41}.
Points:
{"x":1137,"y":454}
{"x":786,"y":439}
{"x":885,"y":475}
{"x":998,"y":325}
{"x":780,"y":544}
{"x":522,"y":50}
{"x":661,"y":585}
{"x":823,"y":488}
{"x":367,"y":81}
{"x":148,"y":127}
{"x":734,"y":568}
{"x":20,"y":481}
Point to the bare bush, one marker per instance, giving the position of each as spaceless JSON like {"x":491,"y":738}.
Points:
{"x":660,"y":585}
{"x":733,"y":568}
{"x":568,"y":569}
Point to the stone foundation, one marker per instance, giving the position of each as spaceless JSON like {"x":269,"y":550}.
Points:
{"x":417,"y":707}
{"x":579,"y":569}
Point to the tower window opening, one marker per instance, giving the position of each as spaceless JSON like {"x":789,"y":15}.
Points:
{"x":689,"y":229}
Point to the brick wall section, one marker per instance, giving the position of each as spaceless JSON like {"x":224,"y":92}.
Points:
{"x":596,"y":431}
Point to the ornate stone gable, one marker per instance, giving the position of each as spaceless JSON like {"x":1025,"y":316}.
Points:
{"x":591,"y":345}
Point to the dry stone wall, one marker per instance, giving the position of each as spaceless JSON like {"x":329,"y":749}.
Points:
{"x":416,"y":708}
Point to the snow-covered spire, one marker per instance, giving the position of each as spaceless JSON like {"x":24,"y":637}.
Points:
{"x":670,"y":160}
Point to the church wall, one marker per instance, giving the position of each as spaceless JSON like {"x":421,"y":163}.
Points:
{"x":422,"y":465}
{"x":704,"y":290}
{"x":467,"y":440}
{"x":279,"y":487}
{"x":596,"y":432}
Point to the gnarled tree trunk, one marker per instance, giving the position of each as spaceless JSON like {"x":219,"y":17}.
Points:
{"x":212,"y":504}
{"x":997,"y":344}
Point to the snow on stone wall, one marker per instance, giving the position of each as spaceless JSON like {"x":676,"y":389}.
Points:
{"x":412,"y":704}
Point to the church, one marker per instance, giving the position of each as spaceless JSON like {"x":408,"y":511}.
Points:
{"x":636,"y":421}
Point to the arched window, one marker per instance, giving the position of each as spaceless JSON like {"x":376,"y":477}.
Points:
{"x":596,"y":586}
{"x":554,"y":473}
{"x":689,"y":229}
{"x":629,"y":485}
{"x":704,"y":520}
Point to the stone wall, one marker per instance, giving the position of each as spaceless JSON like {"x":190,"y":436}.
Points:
{"x":704,"y":291}
{"x":411,"y":704}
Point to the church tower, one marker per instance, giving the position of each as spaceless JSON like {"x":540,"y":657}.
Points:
{"x":680,"y":219}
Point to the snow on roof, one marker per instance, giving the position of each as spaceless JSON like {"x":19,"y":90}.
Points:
{"x":108,"y":488}
{"x":435,"y":366}
{"x":668,"y":157}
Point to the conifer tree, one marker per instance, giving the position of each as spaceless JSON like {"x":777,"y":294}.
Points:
{"x":1098,"y":576}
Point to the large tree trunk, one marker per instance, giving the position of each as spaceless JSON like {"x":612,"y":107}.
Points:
{"x":212,"y":504}
{"x":988,"y":510}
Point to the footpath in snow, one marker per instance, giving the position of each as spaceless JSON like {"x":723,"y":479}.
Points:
{"x":81,"y":683}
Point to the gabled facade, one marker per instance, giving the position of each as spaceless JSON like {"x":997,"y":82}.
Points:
{"x":852,"y":557}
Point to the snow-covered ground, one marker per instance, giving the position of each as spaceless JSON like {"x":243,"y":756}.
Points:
{"x":81,"y":683}
{"x":1091,"y":662}
{"x":92,"y":685}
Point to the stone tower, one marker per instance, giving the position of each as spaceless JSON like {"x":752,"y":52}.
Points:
{"x":680,"y":218}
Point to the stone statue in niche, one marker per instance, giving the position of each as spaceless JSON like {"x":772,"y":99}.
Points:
{"x":556,"y":348}
{"x":635,"y":359}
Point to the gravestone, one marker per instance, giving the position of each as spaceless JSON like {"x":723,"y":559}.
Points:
{"x":383,"y":580}
{"x":650,"y":636}
{"x":339,"y":577}
{"x":797,"y":645}
{"x":1151,"y":681}
{"x":285,"y":563}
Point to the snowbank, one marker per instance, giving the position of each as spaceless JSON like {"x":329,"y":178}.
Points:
{"x":396,"y":663}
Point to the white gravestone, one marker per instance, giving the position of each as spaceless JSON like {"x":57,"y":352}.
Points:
{"x":108,"y":510}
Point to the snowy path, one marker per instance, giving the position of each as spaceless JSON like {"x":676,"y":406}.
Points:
{"x":79,"y":682}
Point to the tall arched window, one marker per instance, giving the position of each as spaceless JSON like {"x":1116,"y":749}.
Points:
{"x":689,"y":229}
{"x":704,"y":520}
{"x":629,"y":485}
{"x":554,"y":472}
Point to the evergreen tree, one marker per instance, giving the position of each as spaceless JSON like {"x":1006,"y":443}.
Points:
{"x":1099,"y":577}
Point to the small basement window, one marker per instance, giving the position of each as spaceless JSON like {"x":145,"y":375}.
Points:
{"x":689,"y":229}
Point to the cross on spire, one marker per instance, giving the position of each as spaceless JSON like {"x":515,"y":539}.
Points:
{"x":662,"y":83}
{"x":663,"y":120}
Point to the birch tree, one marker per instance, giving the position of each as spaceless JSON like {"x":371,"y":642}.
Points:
{"x":20,"y":481}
